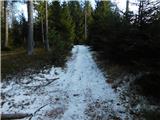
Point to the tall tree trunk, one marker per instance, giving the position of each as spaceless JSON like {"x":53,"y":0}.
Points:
{"x":127,"y":6}
{"x":42,"y":29}
{"x":13,"y":20}
{"x":140,"y":13}
{"x":127,"y":12}
{"x":30,"y":27}
{"x":46,"y":28}
{"x":6,"y":23}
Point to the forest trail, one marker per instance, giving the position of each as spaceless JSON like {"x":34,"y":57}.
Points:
{"x":78,"y":92}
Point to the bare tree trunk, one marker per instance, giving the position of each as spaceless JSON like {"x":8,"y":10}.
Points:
{"x":6,"y":23}
{"x":42,"y":29}
{"x":127,"y":12}
{"x":30,"y":27}
{"x":46,"y":33}
{"x":140,"y":13}
{"x":127,"y":6}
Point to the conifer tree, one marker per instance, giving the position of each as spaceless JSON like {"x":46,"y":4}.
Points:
{"x":67,"y":26}
{"x":77,"y":18}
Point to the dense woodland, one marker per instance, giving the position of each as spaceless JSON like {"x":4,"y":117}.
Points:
{"x":54,"y":24}
{"x":124,"y":40}
{"x":46,"y":36}
{"x":127,"y":37}
{"x":121,"y":37}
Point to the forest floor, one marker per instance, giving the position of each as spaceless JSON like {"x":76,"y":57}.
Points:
{"x":17,"y":61}
{"x":12,"y":52}
{"x":77,"y":92}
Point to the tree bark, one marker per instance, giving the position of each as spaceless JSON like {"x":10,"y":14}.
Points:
{"x":127,"y":12}
{"x":6,"y":24}
{"x":46,"y":27}
{"x":30,"y":27}
{"x":140,"y":13}
{"x":127,"y":6}
{"x":42,"y":29}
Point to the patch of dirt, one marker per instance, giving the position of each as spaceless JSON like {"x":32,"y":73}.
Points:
{"x":55,"y":113}
{"x":101,"y":110}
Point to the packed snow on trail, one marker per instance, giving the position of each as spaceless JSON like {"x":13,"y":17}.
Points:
{"x":78,"y":92}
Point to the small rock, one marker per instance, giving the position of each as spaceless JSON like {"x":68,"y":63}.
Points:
{"x":111,"y":101}
{"x":118,"y":103}
{"x":121,"y":111}
{"x":55,"y":73}
{"x":75,"y":95}
{"x":2,"y":103}
{"x":56,"y":99}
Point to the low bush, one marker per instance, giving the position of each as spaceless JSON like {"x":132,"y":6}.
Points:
{"x":149,"y":84}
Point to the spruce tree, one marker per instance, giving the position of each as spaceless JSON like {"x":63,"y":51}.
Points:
{"x":77,"y":18}
{"x":67,"y":26}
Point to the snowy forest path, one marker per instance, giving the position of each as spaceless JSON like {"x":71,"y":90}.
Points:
{"x":78,"y":92}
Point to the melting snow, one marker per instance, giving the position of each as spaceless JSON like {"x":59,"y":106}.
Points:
{"x":78,"y":92}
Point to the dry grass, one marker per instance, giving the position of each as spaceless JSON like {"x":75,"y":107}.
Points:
{"x":12,"y":64}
